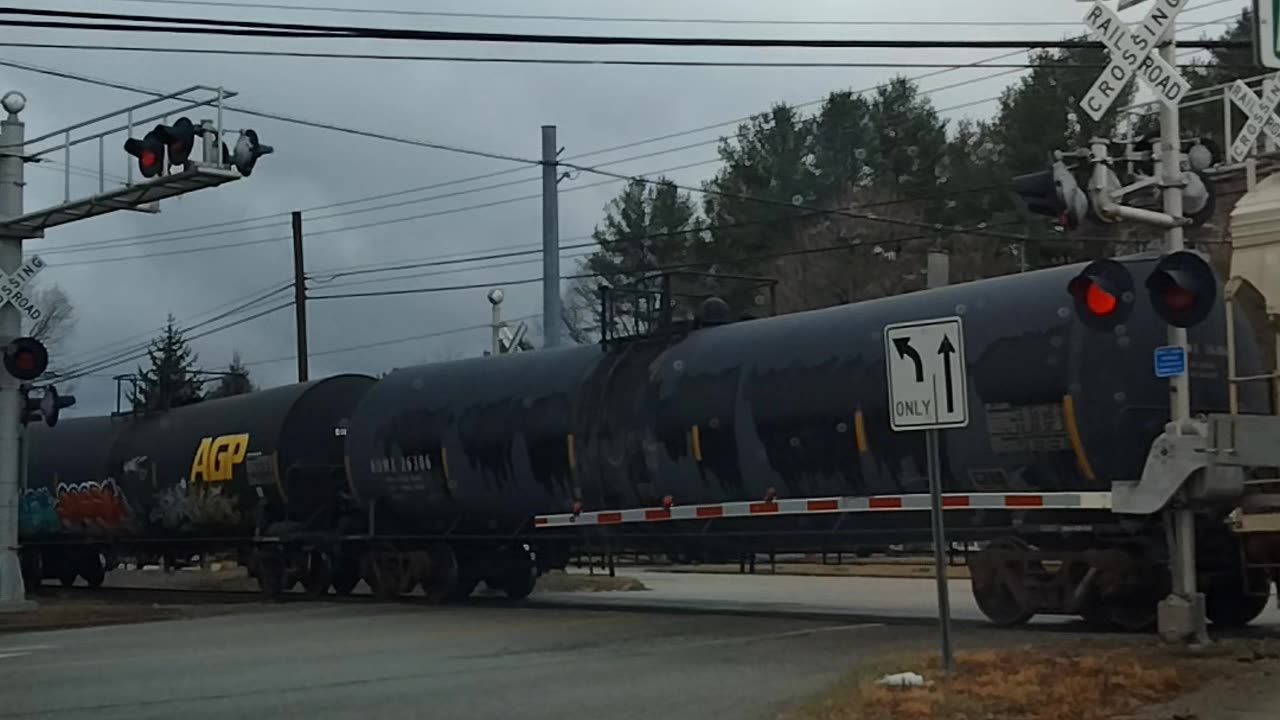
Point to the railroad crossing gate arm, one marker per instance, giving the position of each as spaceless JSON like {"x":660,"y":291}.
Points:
{"x":1194,"y":456}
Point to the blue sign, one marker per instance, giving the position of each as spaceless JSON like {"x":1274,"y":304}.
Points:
{"x":1171,"y":361}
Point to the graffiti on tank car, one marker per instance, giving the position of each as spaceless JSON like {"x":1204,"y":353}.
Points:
{"x":92,"y":505}
{"x":216,"y":457}
{"x":186,"y":506}
{"x":38,"y":512}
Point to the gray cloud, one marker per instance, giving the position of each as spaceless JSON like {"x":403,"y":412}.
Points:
{"x":495,"y":107}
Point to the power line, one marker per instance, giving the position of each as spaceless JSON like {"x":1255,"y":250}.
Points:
{"x":393,"y":341}
{"x":545,"y":61}
{"x":95,"y":367}
{"x":99,"y":81}
{"x":240,"y":28}
{"x":114,"y":349}
{"x":603,"y":19}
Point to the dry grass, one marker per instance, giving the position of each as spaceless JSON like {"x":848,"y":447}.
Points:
{"x":61,"y":613}
{"x":1085,"y":683}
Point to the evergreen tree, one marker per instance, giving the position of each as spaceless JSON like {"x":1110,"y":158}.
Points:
{"x":235,"y":382}
{"x":646,"y":227}
{"x":170,"y":381}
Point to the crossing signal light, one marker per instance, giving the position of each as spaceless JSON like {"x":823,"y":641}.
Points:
{"x":26,"y":358}
{"x":176,"y":141}
{"x":48,"y":407}
{"x":149,"y":151}
{"x":180,"y":139}
{"x":246,"y":153}
{"x":1103,"y":294}
{"x":1182,"y":288}
{"x":1053,"y":193}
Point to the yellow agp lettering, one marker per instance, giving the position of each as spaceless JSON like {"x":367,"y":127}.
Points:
{"x":217,"y":457}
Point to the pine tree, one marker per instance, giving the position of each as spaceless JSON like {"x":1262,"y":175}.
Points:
{"x":170,"y":381}
{"x":236,"y":380}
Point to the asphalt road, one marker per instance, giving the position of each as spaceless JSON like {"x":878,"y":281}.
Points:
{"x":373,"y":661}
{"x":884,"y":599}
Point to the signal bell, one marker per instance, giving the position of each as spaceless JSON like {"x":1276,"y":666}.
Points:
{"x":1103,"y":294}
{"x":26,"y":358}
{"x":1183,"y":289}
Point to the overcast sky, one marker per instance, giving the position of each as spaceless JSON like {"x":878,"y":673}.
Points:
{"x":494,"y":107}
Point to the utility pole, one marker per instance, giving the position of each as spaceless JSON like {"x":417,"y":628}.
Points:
{"x":550,"y":239}
{"x":12,"y":141}
{"x":300,"y":296}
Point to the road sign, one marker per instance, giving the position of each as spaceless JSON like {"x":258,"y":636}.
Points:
{"x":11,"y":287}
{"x":1260,"y":113}
{"x":1133,"y":51}
{"x":928,"y":388}
{"x":1170,"y":361}
{"x":1266,"y":12}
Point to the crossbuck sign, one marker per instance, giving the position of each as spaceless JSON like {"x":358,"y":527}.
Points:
{"x":1261,"y":114}
{"x":1133,"y":51}
{"x":11,"y":287}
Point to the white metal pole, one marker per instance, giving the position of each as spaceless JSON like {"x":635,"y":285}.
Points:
{"x":12,"y":132}
{"x":1179,"y":386}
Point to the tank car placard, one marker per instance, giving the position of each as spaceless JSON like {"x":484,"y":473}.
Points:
{"x":927,"y":381}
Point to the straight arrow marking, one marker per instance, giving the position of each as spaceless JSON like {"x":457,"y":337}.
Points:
{"x":946,"y":350}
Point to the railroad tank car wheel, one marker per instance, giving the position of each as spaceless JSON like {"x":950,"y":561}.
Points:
{"x":1228,"y":604}
{"x":315,"y":582}
{"x":89,"y":566}
{"x":67,"y":570}
{"x":1133,"y":590}
{"x":388,"y":575}
{"x":440,"y":575}
{"x":992,"y":579}
{"x":346,"y":574}
{"x":520,"y":573}
{"x":271,"y":575}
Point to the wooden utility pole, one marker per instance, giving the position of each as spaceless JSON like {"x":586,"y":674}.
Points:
{"x":299,"y":296}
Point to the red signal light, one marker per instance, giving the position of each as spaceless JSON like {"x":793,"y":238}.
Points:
{"x":25,"y":358}
{"x":1183,"y":289}
{"x":1099,"y":301}
{"x":1103,"y":294}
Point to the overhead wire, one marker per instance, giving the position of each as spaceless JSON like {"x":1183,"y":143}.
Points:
{"x":135,"y":23}
{"x":100,"y":81}
{"x":598,"y":18}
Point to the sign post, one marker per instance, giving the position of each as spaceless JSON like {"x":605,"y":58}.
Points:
{"x":928,"y":390}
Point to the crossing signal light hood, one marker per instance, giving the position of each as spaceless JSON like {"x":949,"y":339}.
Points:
{"x":246,"y":153}
{"x":1053,"y":193}
{"x":150,"y":151}
{"x":175,"y":142}
{"x":26,"y":358}
{"x":1103,"y":294}
{"x":1183,"y":289}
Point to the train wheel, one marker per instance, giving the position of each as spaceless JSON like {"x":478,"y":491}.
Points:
{"x":32,"y":563}
{"x":89,"y":566}
{"x":521,"y":573}
{"x":387,"y":576}
{"x":271,"y":573}
{"x":997,"y":583}
{"x":346,"y":575}
{"x":67,"y":569}
{"x":1228,"y":603}
{"x":440,"y":576}
{"x":318,"y":576}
